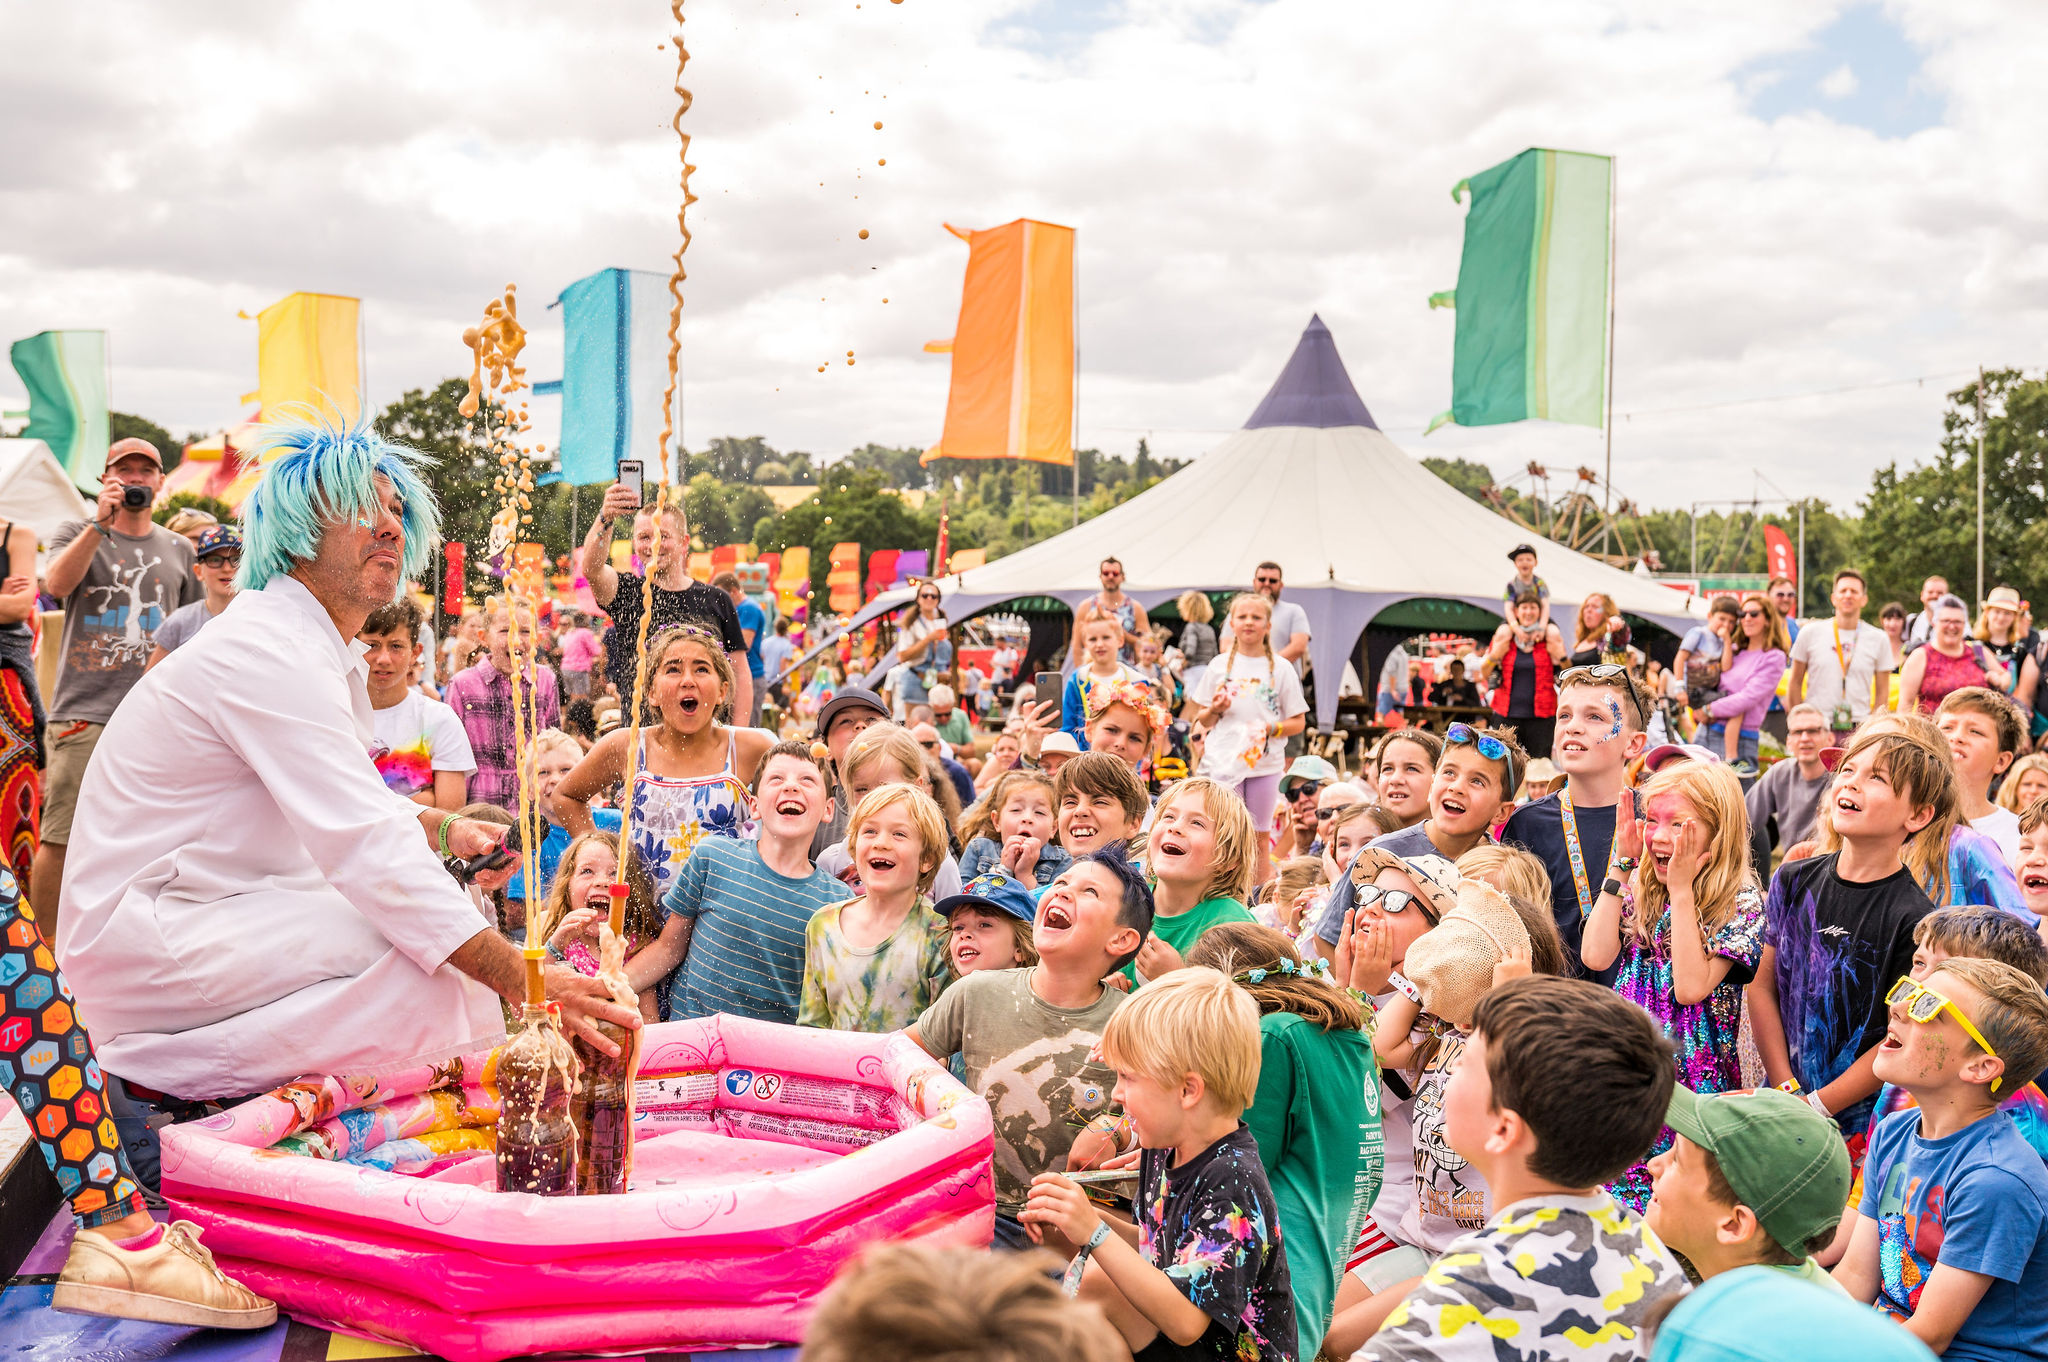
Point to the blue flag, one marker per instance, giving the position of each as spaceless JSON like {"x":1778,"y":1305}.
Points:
{"x":614,"y":367}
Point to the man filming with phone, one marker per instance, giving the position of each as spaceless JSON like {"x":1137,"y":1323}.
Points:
{"x":678,"y":598}
{"x":119,"y":575}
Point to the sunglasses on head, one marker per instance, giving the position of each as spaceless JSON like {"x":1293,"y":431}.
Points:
{"x":1923,"y":1005}
{"x":1393,"y":901}
{"x":1490,"y":747}
{"x":1607,"y":672}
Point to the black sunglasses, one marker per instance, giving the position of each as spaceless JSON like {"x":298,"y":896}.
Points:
{"x":1309,"y":789}
{"x":1607,"y":671}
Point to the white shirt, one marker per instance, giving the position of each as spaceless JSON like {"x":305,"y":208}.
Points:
{"x":244,"y":901}
{"x":1263,"y":691}
{"x":415,"y":738}
{"x":1289,"y":619}
{"x":2003,"y":827}
{"x":1868,"y":651}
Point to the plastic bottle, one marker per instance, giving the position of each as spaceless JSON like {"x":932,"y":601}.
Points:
{"x":536,"y":1075}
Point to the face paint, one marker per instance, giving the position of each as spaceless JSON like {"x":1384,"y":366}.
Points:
{"x":1614,"y":713}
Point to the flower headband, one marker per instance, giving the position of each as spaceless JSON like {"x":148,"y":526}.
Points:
{"x":1124,"y":691}
{"x":1317,"y":968}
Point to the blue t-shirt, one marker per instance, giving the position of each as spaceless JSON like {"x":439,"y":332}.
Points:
{"x":1701,"y":641}
{"x":553,"y":843}
{"x":752,"y":617}
{"x":1976,"y":1200}
{"x":747,"y":949}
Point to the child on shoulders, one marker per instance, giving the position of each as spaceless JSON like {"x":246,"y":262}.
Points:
{"x":1202,"y":1274}
{"x":876,"y":962}
{"x":1027,"y":1037}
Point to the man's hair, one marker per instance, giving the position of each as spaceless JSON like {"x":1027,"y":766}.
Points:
{"x":726,"y":581}
{"x":1633,"y":702}
{"x":1099,"y":773}
{"x":1236,"y":841}
{"x":1776,"y":582}
{"x":1803,"y":707}
{"x":1937,"y":577}
{"x":1589,"y":1073}
{"x":2014,"y":1018}
{"x":1270,"y":566}
{"x":402,"y":616}
{"x":1135,"y":910}
{"x":924,"y":816}
{"x":800,"y":748}
{"x":1770,"y":1253}
{"x":1107,"y":561}
{"x":1840,"y":573}
{"x":1993,"y":705}
{"x":904,"y":1300}
{"x":782,"y":624}
{"x":1982,"y":933}
{"x":317,"y":473}
{"x":1193,"y":1020}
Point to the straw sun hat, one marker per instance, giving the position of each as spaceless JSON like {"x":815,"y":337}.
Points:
{"x":1452,"y":963}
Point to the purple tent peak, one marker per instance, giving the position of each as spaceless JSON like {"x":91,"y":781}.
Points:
{"x":1313,"y":390}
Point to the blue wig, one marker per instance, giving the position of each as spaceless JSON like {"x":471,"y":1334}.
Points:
{"x":318,"y":473}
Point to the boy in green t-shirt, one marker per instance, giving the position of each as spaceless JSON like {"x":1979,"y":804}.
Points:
{"x":1027,"y":1035}
{"x":1201,"y":853}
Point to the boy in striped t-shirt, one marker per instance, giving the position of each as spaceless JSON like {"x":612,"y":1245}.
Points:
{"x":733,"y":938}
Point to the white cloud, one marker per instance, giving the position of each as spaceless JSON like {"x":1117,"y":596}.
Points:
{"x":1232,"y":167}
{"x":1839,"y":83}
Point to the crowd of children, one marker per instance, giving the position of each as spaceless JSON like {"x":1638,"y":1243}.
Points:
{"x":1465,"y":1070}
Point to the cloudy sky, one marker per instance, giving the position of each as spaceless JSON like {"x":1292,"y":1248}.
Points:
{"x":1813,"y":197}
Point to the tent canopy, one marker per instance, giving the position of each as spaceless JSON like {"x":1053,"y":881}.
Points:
{"x":1361,"y":530}
{"x":35,"y":489}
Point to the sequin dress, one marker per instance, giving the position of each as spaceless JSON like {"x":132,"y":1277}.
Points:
{"x":1706,"y":1034}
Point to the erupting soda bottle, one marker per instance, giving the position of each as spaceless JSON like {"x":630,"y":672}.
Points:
{"x":536,"y":1075}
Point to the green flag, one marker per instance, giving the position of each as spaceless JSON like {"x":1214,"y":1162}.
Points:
{"x":66,"y":376}
{"x":1532,"y":292}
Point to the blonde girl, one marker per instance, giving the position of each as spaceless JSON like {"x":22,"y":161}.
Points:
{"x":1687,"y":939}
{"x":1197,"y":635}
{"x":1295,"y":896}
{"x":1601,"y":635}
{"x":1014,"y":830}
{"x":690,"y":772}
{"x":1246,"y":705}
{"x":2026,"y":782}
{"x":1315,"y":1115}
{"x":580,"y":899}
{"x":1200,"y":853}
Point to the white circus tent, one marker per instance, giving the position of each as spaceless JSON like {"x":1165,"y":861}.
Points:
{"x":1366,"y":536}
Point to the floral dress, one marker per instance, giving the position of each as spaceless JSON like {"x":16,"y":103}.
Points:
{"x":1705,"y":1033}
{"x":671,"y":814}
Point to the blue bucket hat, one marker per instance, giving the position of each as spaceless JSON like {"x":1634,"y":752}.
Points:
{"x":994,"y":891}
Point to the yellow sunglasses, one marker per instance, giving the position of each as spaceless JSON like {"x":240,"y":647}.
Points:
{"x":1923,"y":1005}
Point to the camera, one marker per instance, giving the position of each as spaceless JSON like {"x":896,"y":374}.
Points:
{"x":136,"y":498}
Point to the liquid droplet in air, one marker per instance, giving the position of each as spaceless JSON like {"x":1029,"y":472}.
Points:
{"x":878,"y":125}
{"x":882,"y":161}
{"x":863,"y":234}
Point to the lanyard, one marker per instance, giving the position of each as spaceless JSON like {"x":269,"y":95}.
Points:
{"x":1575,"y":852}
{"x":1840,"y":659}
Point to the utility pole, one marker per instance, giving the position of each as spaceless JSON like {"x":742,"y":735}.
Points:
{"x":1980,"y":486}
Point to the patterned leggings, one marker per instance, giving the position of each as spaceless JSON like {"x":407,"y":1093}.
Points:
{"x":47,"y":1065}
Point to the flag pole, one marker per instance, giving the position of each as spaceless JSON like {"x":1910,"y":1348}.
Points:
{"x":1074,"y":436}
{"x":1607,"y":487}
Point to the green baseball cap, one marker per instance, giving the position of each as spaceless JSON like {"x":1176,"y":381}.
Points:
{"x":1784,"y":1160}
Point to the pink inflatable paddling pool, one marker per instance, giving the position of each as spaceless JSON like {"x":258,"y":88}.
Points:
{"x":765,"y":1157}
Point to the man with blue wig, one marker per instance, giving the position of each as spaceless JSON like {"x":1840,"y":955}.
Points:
{"x":245,"y":901}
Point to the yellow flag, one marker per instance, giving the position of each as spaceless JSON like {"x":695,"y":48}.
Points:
{"x":306,"y":353}
{"x":1012,"y":395}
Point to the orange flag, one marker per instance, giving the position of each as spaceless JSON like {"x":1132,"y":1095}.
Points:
{"x":1013,"y":351}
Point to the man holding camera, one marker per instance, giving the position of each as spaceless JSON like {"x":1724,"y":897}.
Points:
{"x":119,"y":576}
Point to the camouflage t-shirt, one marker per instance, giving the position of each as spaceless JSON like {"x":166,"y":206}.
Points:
{"x":1568,"y":1276}
{"x":1029,"y":1061}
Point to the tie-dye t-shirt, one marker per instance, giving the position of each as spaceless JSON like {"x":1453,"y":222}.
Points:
{"x":1213,"y":1227}
{"x":1976,"y":1200}
{"x":882,"y":988}
{"x":1564,"y":1276}
{"x":415,"y":738}
{"x":1840,"y":945}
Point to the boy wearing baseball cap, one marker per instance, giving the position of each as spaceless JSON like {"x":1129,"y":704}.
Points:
{"x":219,"y":551}
{"x":1753,"y":1179}
{"x":1027,"y":1037}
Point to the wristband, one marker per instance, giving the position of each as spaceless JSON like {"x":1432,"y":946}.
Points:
{"x":441,"y":837}
{"x":1813,"y":1100}
{"x":1071,"y":1283}
{"x":1625,"y":863}
{"x":1610,"y":885}
{"x":1402,"y":985}
{"x":1790,"y":1085}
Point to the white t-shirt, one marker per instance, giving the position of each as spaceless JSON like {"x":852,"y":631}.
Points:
{"x":1868,"y":651}
{"x":2003,"y":827}
{"x":1289,"y":619}
{"x":418,"y":737}
{"x":1264,"y":690}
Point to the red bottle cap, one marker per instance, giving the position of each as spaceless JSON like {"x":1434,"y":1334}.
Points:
{"x":617,"y":891}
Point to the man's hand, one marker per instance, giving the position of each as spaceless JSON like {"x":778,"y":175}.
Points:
{"x":1040,"y":719}
{"x":469,"y":838}
{"x":584,"y":1001}
{"x":108,"y":504}
{"x":619,"y":500}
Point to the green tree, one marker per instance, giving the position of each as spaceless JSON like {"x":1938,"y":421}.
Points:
{"x":855,"y":505}
{"x":1922,"y":521}
{"x":178,"y":501}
